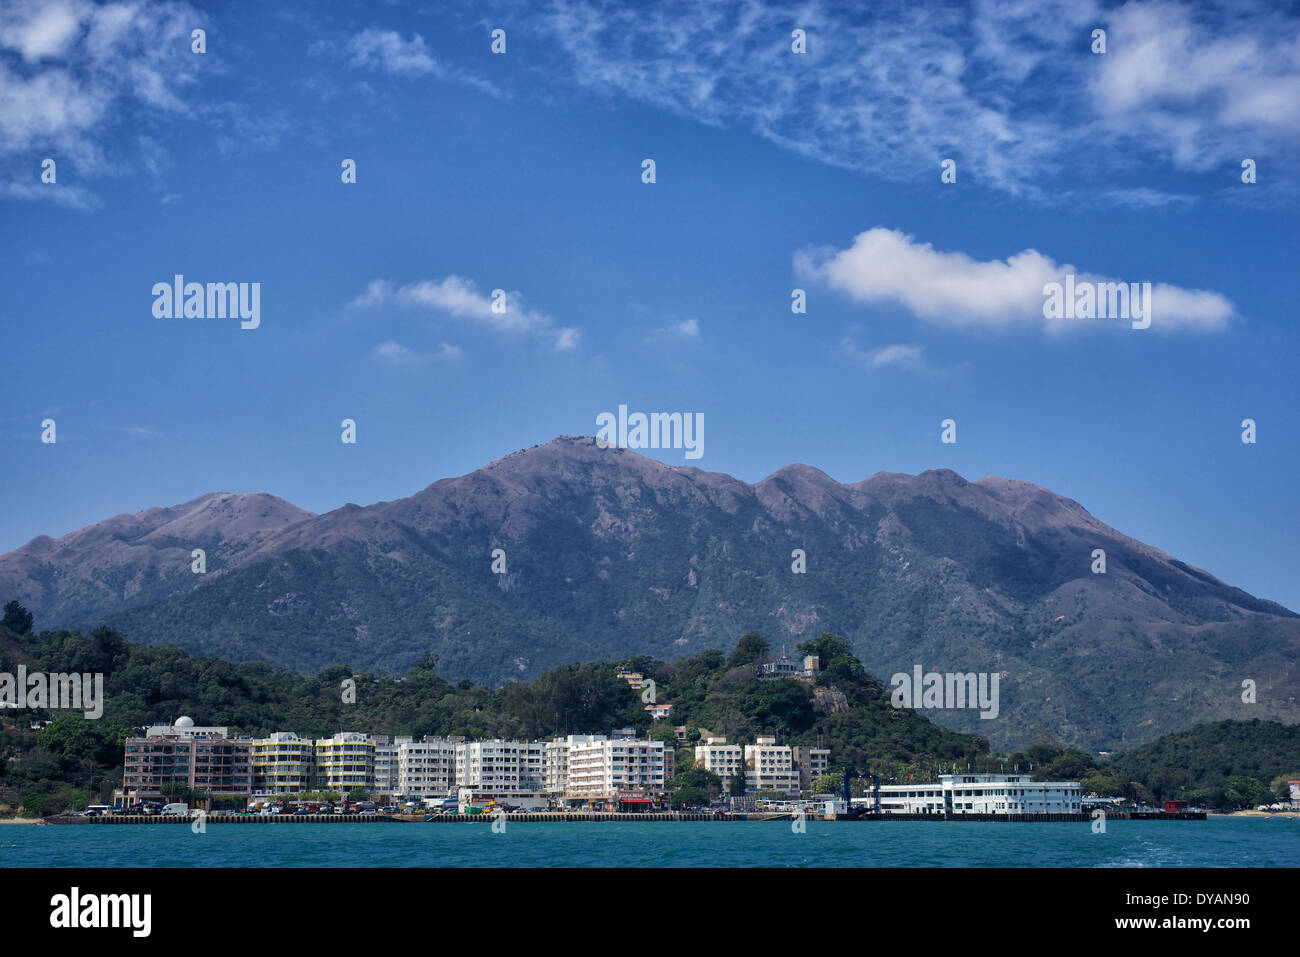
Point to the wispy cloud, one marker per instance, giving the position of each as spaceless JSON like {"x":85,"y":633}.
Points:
{"x":1142,"y":197}
{"x":141,"y":432}
{"x":460,"y":298}
{"x":71,"y":71}
{"x":387,"y":52}
{"x":1010,"y":91}
{"x":1202,"y":81}
{"x":685,"y":330}
{"x":904,"y":356}
{"x":885,"y":265}
{"x":394,"y":353}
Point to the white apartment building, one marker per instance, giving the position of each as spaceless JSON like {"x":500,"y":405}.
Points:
{"x":981,"y":794}
{"x":501,"y":769}
{"x":426,"y":768}
{"x":386,"y":764}
{"x":725,"y":760}
{"x":555,"y":763}
{"x":770,"y":767}
{"x":600,"y":770}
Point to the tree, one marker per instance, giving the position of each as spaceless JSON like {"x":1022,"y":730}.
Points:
{"x":827,"y":784}
{"x":689,"y":797}
{"x":736,"y":784}
{"x":1243,"y":791}
{"x":17,"y":618}
{"x":751,"y":649}
{"x":1281,"y":786}
{"x":108,"y":643}
{"x":698,"y":778}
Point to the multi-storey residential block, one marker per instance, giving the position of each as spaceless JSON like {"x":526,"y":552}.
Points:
{"x":205,"y":758}
{"x":345,"y":762}
{"x":386,"y":764}
{"x":283,"y":764}
{"x":555,"y":775}
{"x":501,"y":769}
{"x":426,"y":768}
{"x":609,"y":770}
{"x":811,"y":763}
{"x":725,"y":760}
{"x":770,"y":767}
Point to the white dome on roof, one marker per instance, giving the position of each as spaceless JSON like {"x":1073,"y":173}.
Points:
{"x":184,"y":722}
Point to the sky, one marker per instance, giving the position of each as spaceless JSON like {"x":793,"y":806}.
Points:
{"x":774,"y":170}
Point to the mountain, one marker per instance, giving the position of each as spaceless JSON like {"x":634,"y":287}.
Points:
{"x":133,"y":559}
{"x":609,"y":554}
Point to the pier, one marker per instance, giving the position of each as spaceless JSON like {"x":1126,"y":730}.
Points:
{"x":569,"y":817}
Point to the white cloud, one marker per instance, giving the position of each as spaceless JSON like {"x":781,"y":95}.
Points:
{"x":885,"y":265}
{"x":460,"y":298}
{"x":1141,"y":197}
{"x":386,"y":50}
{"x":44,"y":32}
{"x":905,"y":356}
{"x":395,"y":353}
{"x":682,"y":331}
{"x":1204,"y":86}
{"x":1008,"y":88}
{"x":70,"y":71}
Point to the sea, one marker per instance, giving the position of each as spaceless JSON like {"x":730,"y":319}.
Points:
{"x":1216,"y":842}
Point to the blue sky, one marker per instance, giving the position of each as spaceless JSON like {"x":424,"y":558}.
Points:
{"x":774,"y":171}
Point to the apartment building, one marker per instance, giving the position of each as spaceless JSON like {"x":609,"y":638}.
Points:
{"x":386,"y":763}
{"x":725,"y":760}
{"x":206,"y":758}
{"x":345,"y":762}
{"x":608,"y":770}
{"x":811,"y":763}
{"x":555,"y":774}
{"x":770,"y":767}
{"x":283,"y":764}
{"x":426,"y":768}
{"x":501,"y":769}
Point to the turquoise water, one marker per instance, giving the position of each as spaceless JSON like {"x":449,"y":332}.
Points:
{"x":1218,"y":842}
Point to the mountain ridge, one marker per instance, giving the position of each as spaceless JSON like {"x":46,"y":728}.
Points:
{"x":609,"y":552}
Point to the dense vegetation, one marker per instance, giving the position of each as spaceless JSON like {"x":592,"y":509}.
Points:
{"x":71,"y":760}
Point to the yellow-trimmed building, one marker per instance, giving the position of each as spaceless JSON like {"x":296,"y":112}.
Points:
{"x":283,"y":764}
{"x":344,"y":762}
